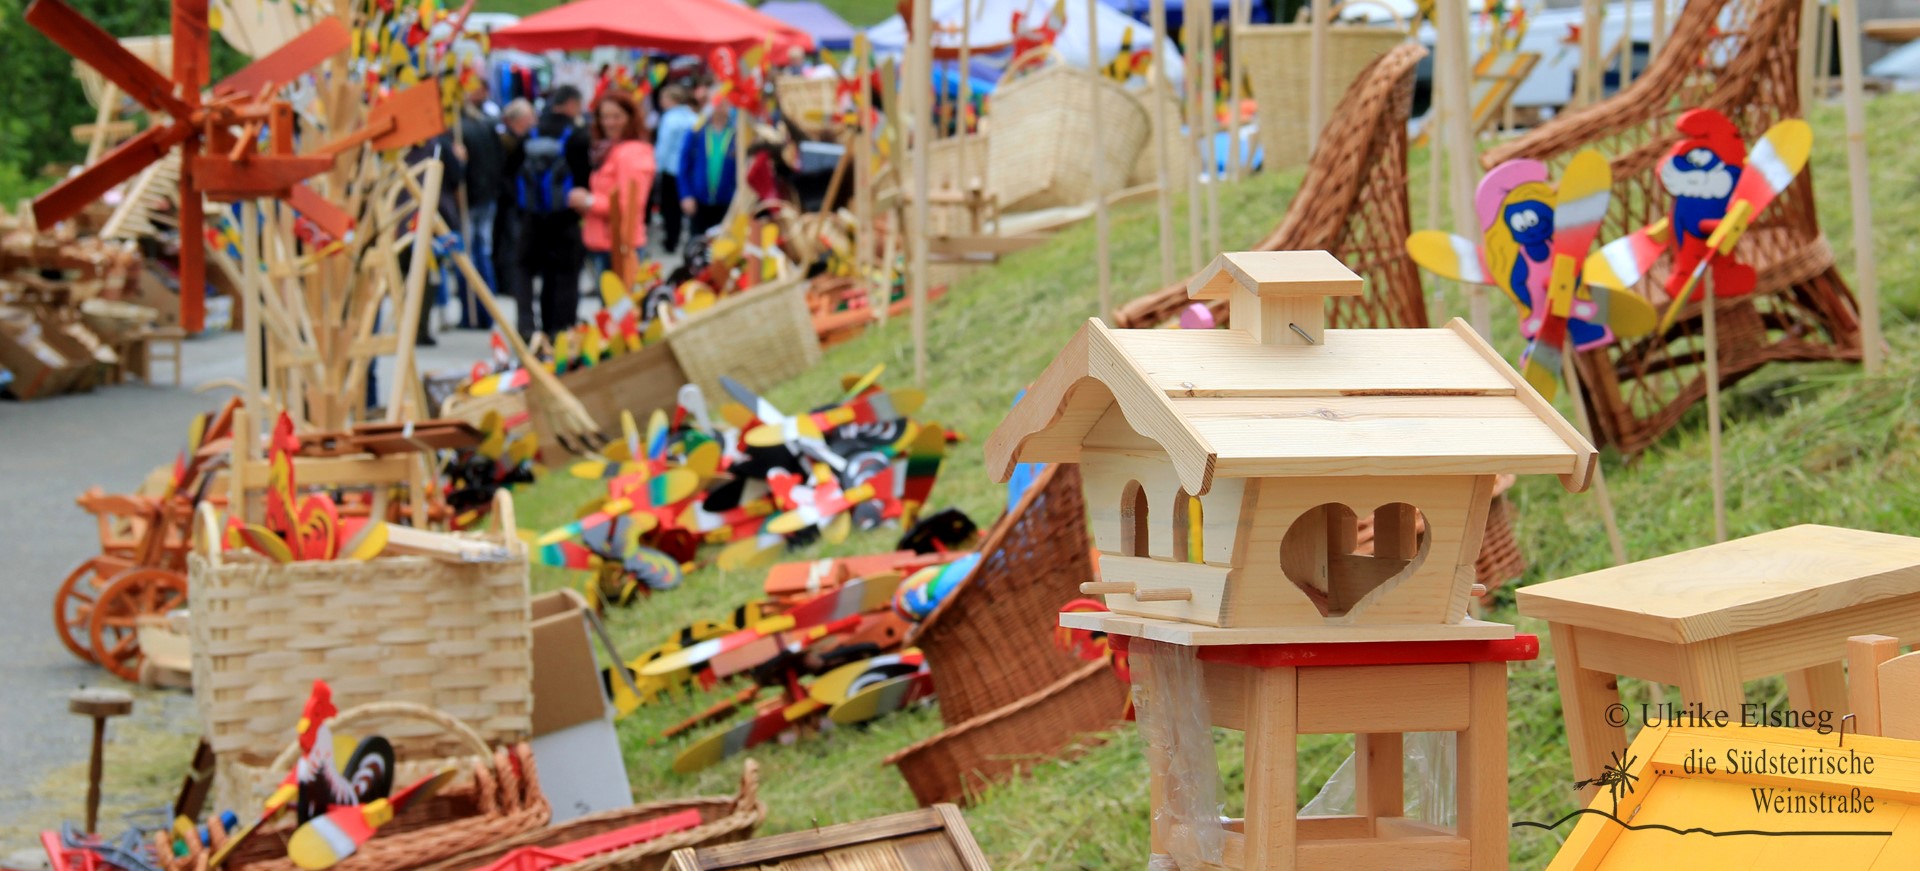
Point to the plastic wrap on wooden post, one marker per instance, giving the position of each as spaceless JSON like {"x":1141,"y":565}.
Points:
{"x":1170,"y":704}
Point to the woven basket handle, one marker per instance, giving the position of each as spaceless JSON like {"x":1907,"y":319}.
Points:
{"x":502,"y":523}
{"x":749,"y":787}
{"x":452,"y":724}
{"x":206,"y":529}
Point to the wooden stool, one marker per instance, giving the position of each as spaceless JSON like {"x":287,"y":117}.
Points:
{"x":97,"y":705}
{"x":1709,"y":619}
{"x":159,"y":344}
{"x":1378,"y":691}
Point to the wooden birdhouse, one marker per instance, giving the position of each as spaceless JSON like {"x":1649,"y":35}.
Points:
{"x":1227,"y":472}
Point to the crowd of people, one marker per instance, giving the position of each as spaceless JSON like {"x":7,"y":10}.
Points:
{"x":532,"y":189}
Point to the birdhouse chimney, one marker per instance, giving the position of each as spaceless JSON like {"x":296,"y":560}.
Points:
{"x":1277,"y":296}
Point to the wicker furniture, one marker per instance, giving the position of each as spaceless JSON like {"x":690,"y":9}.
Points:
{"x":1007,"y":694}
{"x":1353,"y":202}
{"x":1801,"y":309}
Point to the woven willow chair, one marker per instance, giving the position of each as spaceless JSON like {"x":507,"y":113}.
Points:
{"x":1801,"y":309}
{"x":1353,"y":203}
{"x":1008,"y":695}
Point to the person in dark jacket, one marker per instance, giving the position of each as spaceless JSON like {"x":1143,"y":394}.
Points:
{"x":510,"y":231}
{"x":554,"y":251}
{"x":486,"y":159}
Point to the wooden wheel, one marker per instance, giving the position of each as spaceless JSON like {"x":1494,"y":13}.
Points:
{"x":133,"y":594}
{"x":73,"y":604}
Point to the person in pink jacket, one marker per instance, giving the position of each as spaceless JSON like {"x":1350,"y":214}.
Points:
{"x":622,"y":161}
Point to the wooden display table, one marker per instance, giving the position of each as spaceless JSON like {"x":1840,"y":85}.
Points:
{"x":1377,"y":691}
{"x":1707,"y":620}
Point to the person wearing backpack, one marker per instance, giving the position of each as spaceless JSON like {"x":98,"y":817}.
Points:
{"x":552,"y":163}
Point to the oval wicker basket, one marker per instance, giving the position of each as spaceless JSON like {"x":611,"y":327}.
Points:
{"x":724,"y":819}
{"x":759,"y":337}
{"x":1281,"y":79}
{"x":1038,"y":156}
{"x":497,"y":798}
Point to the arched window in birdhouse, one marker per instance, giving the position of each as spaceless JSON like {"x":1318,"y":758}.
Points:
{"x":1133,"y":520}
{"x":1188,"y":534}
{"x":1336,"y":563}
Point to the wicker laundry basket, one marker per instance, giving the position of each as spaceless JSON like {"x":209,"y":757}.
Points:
{"x":759,"y":338}
{"x":1280,"y":76}
{"x":1038,"y":155}
{"x":497,"y":798}
{"x":1146,"y":170}
{"x":448,"y":636}
{"x":724,"y":819}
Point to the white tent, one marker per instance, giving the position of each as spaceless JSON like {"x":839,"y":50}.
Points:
{"x":992,"y":27}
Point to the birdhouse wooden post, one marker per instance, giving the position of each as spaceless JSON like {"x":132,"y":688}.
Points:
{"x":1225,"y":474}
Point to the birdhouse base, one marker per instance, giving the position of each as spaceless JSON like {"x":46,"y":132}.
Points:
{"x":1195,"y":635}
{"x":1377,"y":692}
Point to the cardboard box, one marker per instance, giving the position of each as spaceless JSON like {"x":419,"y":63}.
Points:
{"x":575,"y":747}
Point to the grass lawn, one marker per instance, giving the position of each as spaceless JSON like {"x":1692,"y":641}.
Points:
{"x":1810,"y":443}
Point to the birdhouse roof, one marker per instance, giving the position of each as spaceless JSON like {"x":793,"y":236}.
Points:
{"x":1358,"y":402}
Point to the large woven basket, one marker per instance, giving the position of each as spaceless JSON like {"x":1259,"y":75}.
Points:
{"x":724,"y":819}
{"x":497,"y":798}
{"x":807,"y":103}
{"x":1008,"y":694}
{"x":1146,"y":169}
{"x":1039,"y":155}
{"x":759,"y":338}
{"x":452,"y":637}
{"x":1281,"y":79}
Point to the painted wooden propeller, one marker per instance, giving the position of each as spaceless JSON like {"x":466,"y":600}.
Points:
{"x":216,"y":131}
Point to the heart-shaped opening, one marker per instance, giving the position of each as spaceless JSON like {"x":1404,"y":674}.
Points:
{"x":1328,"y":555}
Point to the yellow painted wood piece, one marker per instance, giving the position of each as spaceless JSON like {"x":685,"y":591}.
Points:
{"x":1665,"y":793}
{"x":1764,"y":580}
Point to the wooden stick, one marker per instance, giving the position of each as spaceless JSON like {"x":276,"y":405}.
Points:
{"x":1103,"y":261}
{"x":427,"y":202}
{"x":1712,"y":337}
{"x":1809,"y":51}
{"x":1571,"y":372}
{"x":1626,"y":46}
{"x":1866,"y":283}
{"x":250,"y":302}
{"x":921,"y":81}
{"x":1209,"y":124}
{"x":1592,"y":17}
{"x":1317,"y":74}
{"x":965,"y":180}
{"x":1456,"y":119}
{"x":109,"y":98}
{"x":864,"y":229}
{"x":1157,"y":15}
{"x":1436,"y":170}
{"x":1195,"y":212}
{"x":1236,"y":19}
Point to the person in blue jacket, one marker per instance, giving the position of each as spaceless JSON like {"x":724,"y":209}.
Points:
{"x":706,"y":174}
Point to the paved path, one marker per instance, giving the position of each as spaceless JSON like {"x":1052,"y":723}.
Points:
{"x":50,"y":451}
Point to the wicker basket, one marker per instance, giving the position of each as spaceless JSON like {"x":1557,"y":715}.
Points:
{"x":758,"y":338}
{"x":453,"y":637}
{"x":1008,"y":695}
{"x":1146,"y":170}
{"x":807,"y":104}
{"x":724,"y":819}
{"x":1038,"y":155}
{"x":497,"y":799}
{"x":1280,"y":77}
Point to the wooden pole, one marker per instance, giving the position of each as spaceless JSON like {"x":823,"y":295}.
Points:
{"x":1810,"y":46}
{"x":1209,"y":126}
{"x":920,"y":82}
{"x":965,"y":180}
{"x":1711,"y":336}
{"x":251,"y":299}
{"x":1157,"y":15}
{"x":863,"y":223}
{"x":1659,"y":30}
{"x":1592,"y":18}
{"x":1236,"y":19}
{"x":1626,"y":46}
{"x":1436,"y":170}
{"x":102,"y":118}
{"x":409,"y":315}
{"x":1103,"y":263}
{"x":1196,"y":212}
{"x":1456,"y":123}
{"x":1317,"y":74}
{"x":1866,"y":283}
{"x":1571,"y":372}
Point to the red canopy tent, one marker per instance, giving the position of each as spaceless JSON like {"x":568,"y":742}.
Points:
{"x":694,"y":27}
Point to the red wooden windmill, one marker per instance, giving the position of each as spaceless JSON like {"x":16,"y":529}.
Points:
{"x":217,"y":132}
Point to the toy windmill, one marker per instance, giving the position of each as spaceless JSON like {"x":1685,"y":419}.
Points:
{"x":215,"y":132}
{"x":1718,"y":187}
{"x":1535,"y":239}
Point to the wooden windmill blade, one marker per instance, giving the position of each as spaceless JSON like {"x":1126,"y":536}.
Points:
{"x":322,"y":41}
